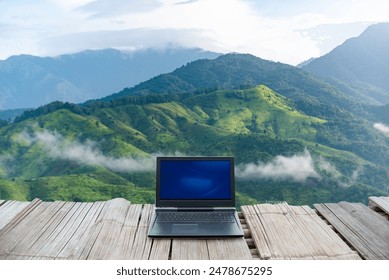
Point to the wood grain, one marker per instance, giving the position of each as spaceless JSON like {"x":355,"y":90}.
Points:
{"x":366,"y":230}
{"x":293,"y":232}
{"x":117,"y":229}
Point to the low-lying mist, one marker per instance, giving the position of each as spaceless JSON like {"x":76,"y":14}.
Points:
{"x":297,"y":168}
{"x":382,"y":127}
{"x":85,"y":153}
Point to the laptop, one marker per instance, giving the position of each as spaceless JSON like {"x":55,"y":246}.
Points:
{"x":195,"y":197}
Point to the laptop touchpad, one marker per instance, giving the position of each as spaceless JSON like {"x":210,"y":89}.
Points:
{"x":185,"y":228}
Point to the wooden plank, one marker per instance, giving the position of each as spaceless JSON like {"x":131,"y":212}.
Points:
{"x":380,"y":202}
{"x":8,"y":234}
{"x":79,"y":245}
{"x":48,"y":245}
{"x":25,"y":227}
{"x":160,"y":249}
{"x":63,"y":230}
{"x":228,"y":249}
{"x":366,"y":230}
{"x":146,"y":247}
{"x":261,"y":232}
{"x":9,"y":210}
{"x":304,"y":241}
{"x":142,"y":245}
{"x":333,"y":240}
{"x":118,"y":230}
{"x":258,"y":233}
{"x":20,"y":216}
{"x":293,"y":232}
{"x":374,"y":227}
{"x":282,"y":237}
{"x":322,"y":241}
{"x":108,"y":228}
{"x":67,"y":230}
{"x":335,"y":220}
{"x":189,"y":249}
{"x":49,"y":238}
{"x":370,"y":220}
{"x":36,"y":233}
{"x":127,"y":234}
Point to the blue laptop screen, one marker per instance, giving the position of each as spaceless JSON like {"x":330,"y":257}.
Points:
{"x":191,"y":179}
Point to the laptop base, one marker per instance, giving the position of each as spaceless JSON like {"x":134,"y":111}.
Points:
{"x":197,"y":230}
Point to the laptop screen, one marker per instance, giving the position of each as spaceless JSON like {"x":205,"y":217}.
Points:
{"x":195,"y":181}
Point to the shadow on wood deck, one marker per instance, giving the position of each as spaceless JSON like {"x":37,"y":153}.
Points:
{"x":117,"y":229}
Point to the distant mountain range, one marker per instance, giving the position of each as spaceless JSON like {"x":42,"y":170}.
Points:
{"x":359,"y":67}
{"x":297,"y":135}
{"x":29,"y":81}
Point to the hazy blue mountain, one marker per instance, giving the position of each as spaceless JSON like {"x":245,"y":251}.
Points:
{"x":359,"y":66}
{"x":29,"y":81}
{"x":11,"y":114}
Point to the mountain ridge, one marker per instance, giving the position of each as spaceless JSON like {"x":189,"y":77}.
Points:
{"x":232,"y":71}
{"x":361,"y":62}
{"x":29,"y":81}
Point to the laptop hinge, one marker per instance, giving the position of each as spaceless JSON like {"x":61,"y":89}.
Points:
{"x":196,"y":209}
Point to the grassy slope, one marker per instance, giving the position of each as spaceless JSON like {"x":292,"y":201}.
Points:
{"x":254,"y":124}
{"x":257,"y":110}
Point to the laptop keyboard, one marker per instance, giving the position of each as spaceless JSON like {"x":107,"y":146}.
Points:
{"x":195,"y":217}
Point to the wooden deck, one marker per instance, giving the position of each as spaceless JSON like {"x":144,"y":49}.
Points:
{"x":366,"y":230}
{"x":293,"y":232}
{"x":117,"y":229}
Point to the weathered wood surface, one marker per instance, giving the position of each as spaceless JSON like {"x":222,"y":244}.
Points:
{"x":114,"y":229}
{"x":9,"y":209}
{"x":366,"y":230}
{"x":380,"y":202}
{"x":293,"y":232}
{"x":117,"y":229}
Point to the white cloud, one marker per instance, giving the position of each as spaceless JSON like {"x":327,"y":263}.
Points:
{"x":233,"y":26}
{"x":130,"y":39}
{"x":297,"y":168}
{"x":277,"y":30}
{"x":5,"y":165}
{"x":85,"y":153}
{"x":2,"y":167}
{"x":326,"y":166}
{"x":327,"y":36}
{"x":382,"y":127}
{"x":108,"y":8}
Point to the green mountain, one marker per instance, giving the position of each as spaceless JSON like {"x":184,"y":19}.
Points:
{"x":239,"y":71}
{"x":296,"y":145}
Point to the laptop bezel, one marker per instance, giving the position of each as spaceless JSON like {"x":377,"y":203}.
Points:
{"x":196,"y":203}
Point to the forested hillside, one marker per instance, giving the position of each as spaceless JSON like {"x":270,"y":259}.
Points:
{"x":295,"y":138}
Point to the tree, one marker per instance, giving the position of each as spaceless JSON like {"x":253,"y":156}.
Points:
{"x":3,"y":123}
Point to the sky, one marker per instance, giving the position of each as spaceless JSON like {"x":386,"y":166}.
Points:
{"x":289,"y":31}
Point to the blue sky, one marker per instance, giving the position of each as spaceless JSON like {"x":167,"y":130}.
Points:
{"x":281,"y":30}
